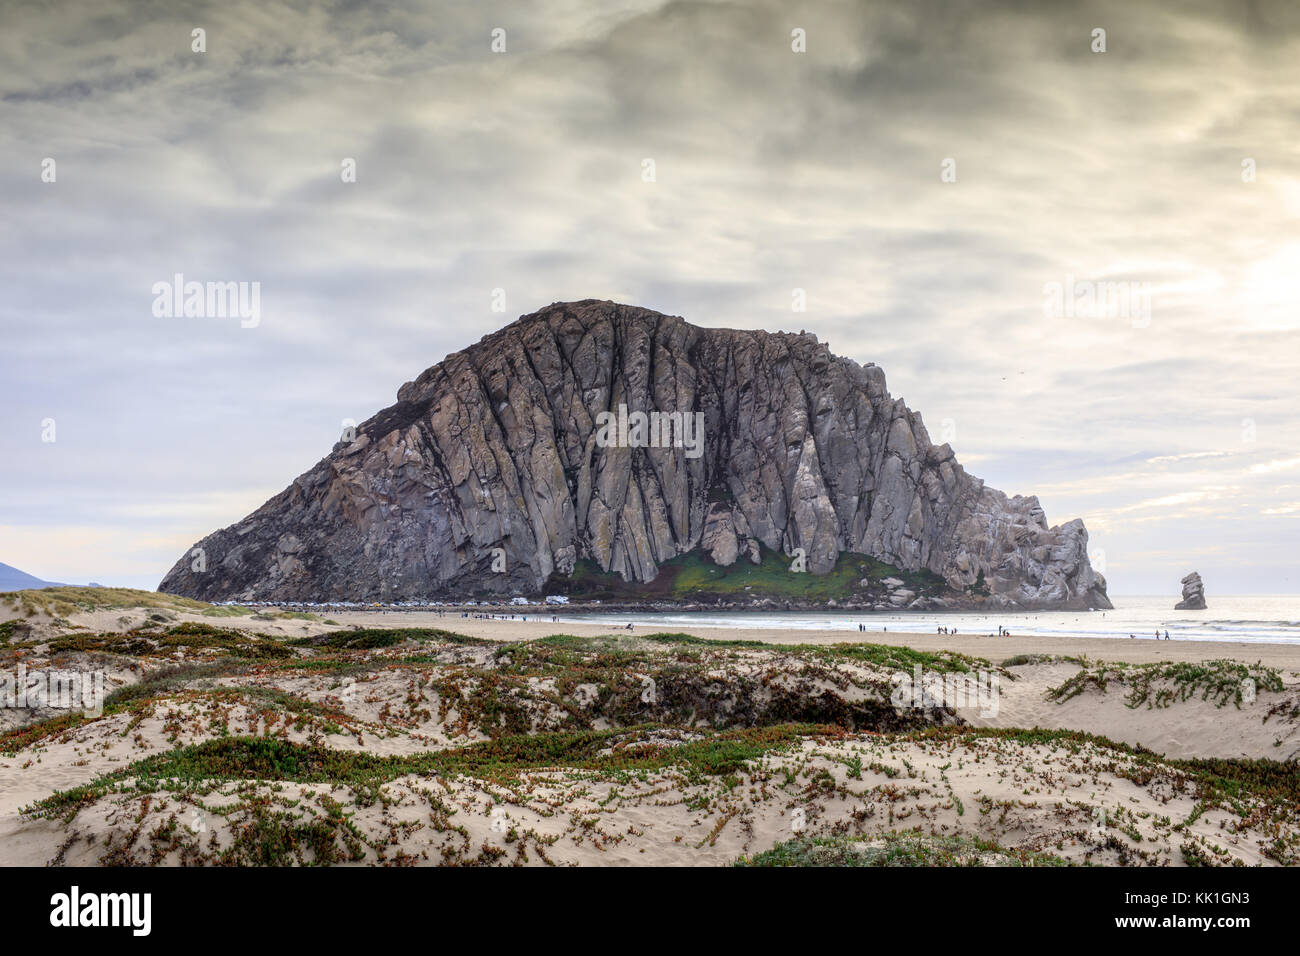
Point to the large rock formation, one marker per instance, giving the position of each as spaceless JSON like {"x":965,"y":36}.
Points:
{"x":1193,"y":594}
{"x":492,"y":472}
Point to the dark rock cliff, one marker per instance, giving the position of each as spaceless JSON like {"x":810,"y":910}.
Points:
{"x":492,"y":472}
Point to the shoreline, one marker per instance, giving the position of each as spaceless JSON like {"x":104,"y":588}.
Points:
{"x":994,"y":648}
{"x":974,"y":638}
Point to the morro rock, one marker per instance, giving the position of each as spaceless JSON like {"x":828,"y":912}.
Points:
{"x":1193,"y":594}
{"x":494,"y":470}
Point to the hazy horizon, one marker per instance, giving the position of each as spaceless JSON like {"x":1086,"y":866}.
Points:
{"x":926,"y":178}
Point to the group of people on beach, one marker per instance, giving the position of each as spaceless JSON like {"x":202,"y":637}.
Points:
{"x":1158,"y":637}
{"x":503,"y":617}
{"x":1002,"y":631}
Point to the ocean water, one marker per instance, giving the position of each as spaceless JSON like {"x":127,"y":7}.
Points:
{"x":1262,"y":619}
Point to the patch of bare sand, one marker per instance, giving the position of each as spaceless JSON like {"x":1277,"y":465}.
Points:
{"x":1267,"y":727}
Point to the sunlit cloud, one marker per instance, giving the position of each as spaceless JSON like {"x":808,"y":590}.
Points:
{"x":1188,"y":456}
{"x":1270,"y":467}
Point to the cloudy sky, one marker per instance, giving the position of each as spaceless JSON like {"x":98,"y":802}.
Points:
{"x":924,"y":172}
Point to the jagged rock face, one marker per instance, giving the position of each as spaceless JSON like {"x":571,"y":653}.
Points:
{"x":491,"y":472}
{"x":1193,"y":594}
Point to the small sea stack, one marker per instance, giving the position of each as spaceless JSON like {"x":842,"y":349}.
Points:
{"x":1193,"y":594}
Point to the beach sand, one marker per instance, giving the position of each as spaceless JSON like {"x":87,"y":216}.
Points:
{"x":991,"y":647}
{"x":1140,"y":650}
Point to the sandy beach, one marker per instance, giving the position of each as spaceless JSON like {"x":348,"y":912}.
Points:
{"x":992,"y":647}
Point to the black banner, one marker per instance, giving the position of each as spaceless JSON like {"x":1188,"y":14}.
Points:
{"x":226,"y":905}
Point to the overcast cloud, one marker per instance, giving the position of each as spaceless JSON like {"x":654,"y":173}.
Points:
{"x":1174,"y":437}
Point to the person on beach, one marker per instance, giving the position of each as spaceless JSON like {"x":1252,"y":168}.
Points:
{"x":1167,"y":636}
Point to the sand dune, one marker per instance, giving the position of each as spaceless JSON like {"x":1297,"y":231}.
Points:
{"x":610,"y":747}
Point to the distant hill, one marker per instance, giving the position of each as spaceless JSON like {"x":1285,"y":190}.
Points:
{"x":11,"y":579}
